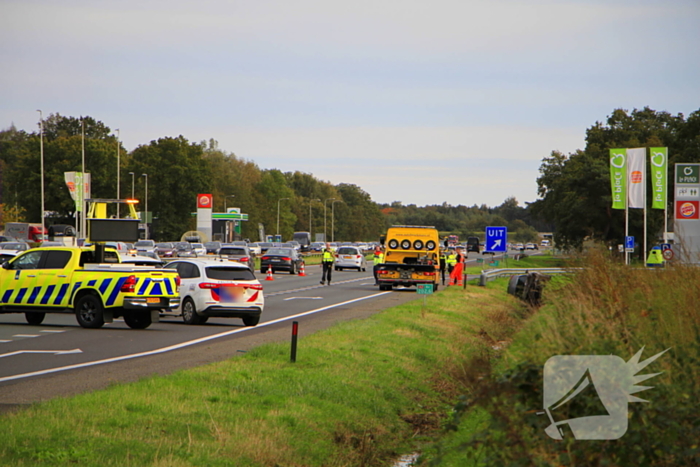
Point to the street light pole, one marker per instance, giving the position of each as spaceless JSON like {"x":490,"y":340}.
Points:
{"x":228,"y":222}
{"x":41,"y":150}
{"x":278,"y":214}
{"x":146,"y":207}
{"x":118,"y":167}
{"x":325,"y":234}
{"x":333,"y":218}
{"x":132,"y":184}
{"x":310,"y":202}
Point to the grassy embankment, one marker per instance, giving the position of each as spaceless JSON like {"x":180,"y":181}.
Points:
{"x":361,"y":393}
{"x":608,"y":309}
{"x":466,"y":370}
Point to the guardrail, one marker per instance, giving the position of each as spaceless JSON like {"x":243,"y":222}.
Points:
{"x":494,"y":273}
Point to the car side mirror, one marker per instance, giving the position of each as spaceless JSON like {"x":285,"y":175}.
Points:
{"x":6,"y":265}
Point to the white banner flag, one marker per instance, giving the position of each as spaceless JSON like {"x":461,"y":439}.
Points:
{"x":636,"y":177}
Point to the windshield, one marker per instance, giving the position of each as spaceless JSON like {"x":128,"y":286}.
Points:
{"x":144,"y":243}
{"x":229,"y":274}
{"x":233,"y":251}
{"x":279,"y":251}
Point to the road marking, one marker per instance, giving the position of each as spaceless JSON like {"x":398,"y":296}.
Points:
{"x":185,"y":344}
{"x":26,"y":335}
{"x":4,"y":341}
{"x":51,"y":330}
{"x":55,"y":352}
{"x":303,"y":298}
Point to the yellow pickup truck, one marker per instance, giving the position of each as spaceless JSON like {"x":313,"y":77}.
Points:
{"x":411,"y":257}
{"x":69,"y":280}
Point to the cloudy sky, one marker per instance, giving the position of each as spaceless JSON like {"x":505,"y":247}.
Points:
{"x":421,"y":102}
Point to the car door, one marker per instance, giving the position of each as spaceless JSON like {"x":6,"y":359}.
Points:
{"x":18,"y":279}
{"x":53,"y":279}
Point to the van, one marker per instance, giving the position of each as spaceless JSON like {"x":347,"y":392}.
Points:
{"x":304,"y":240}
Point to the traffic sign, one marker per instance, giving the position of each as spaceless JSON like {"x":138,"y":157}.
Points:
{"x":665,"y":246}
{"x":424,"y":289}
{"x":496,"y":239}
{"x":629,"y":244}
{"x":667,"y":254}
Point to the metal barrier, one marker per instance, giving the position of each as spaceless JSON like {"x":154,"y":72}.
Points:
{"x":494,"y":273}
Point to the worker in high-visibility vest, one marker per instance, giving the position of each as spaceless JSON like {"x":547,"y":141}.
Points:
{"x":451,"y":261}
{"x":377,"y":259}
{"x":443,"y":264}
{"x":456,"y":275}
{"x":655,"y":258}
{"x":327,"y":261}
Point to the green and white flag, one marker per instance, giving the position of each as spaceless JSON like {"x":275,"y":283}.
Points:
{"x":618,"y":177}
{"x":659,"y":177}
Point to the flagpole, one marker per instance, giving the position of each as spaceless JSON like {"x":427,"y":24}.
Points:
{"x":627,"y":224}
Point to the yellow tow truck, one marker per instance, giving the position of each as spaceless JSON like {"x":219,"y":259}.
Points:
{"x":411,"y":257}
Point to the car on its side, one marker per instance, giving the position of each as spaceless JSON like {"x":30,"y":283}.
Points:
{"x":212,"y":247}
{"x":166,"y":250}
{"x":350,"y":257}
{"x":281,"y":259}
{"x":216,"y":288}
{"x":240,"y":254}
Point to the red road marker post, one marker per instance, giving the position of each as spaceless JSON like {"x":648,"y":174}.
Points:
{"x":295,"y":331}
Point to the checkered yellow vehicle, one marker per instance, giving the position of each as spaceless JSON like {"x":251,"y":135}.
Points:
{"x":65,"y":279}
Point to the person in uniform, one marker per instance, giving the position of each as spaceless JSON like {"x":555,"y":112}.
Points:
{"x":327,"y":261}
{"x":378,"y":259}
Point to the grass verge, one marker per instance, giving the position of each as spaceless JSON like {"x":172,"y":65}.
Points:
{"x":360,"y":394}
{"x":606,"y":309}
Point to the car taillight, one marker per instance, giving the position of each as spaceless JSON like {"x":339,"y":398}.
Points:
{"x":253,"y":287}
{"x":129,"y":285}
{"x":381,"y":271}
{"x":429,"y":273}
{"x":264,"y":258}
{"x":243,"y":260}
{"x":208,"y":285}
{"x":177,"y":281}
{"x":336,"y":255}
{"x":284,"y":258}
{"x":359,"y":256}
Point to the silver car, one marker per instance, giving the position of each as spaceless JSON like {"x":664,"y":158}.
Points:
{"x":350,"y":257}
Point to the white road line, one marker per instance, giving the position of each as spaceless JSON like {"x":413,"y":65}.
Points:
{"x":26,"y":335}
{"x":2,"y":341}
{"x":183,"y":344}
{"x":51,"y":330}
{"x":303,"y":298}
{"x":55,"y":352}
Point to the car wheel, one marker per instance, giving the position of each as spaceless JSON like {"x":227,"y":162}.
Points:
{"x":34,"y":318}
{"x":89,"y":312}
{"x":385,"y":287}
{"x":292,"y":269}
{"x":137,"y":319}
{"x":251,"y":320}
{"x":189,"y":312}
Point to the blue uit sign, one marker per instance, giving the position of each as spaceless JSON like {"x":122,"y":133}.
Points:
{"x":496,"y":239}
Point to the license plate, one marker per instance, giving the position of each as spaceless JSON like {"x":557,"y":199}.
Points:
{"x":152,"y":300}
{"x":347,"y":257}
{"x":275,"y":260}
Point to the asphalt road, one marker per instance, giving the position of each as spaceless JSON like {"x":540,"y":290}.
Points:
{"x":59,"y":358}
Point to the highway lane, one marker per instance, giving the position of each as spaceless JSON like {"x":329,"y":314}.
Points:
{"x":60,"y":344}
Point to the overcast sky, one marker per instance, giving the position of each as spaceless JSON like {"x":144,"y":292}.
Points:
{"x":422,"y":102}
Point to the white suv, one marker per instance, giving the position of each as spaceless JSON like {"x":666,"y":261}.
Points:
{"x":216,"y":288}
{"x":350,"y":257}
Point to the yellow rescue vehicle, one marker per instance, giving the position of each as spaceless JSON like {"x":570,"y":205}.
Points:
{"x":72,"y":280}
{"x":411,"y":257}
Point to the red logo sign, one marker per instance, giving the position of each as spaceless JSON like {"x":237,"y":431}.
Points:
{"x":204,"y":201}
{"x":687,"y":210}
{"x":636,"y":176}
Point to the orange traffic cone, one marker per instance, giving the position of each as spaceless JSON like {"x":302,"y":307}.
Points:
{"x":269,"y":274}
{"x":301,"y":270}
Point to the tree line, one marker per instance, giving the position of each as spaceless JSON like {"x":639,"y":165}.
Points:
{"x":574,"y":189}
{"x":178,"y":169}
